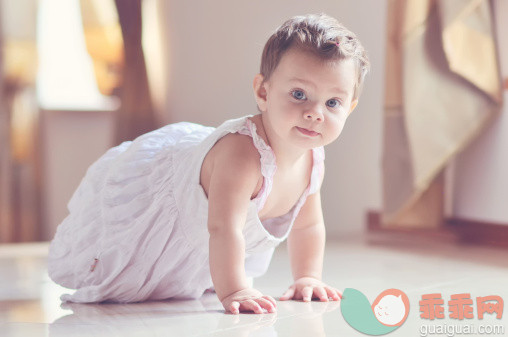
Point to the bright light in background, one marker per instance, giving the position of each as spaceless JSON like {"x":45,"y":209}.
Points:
{"x":65,"y":80}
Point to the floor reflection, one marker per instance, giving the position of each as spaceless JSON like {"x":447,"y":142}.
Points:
{"x":30,"y":302}
{"x":187,"y":317}
{"x":191,"y":317}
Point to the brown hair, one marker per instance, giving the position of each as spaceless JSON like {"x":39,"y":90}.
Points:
{"x":320,"y":34}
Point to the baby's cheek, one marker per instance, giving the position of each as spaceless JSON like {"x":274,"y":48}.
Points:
{"x":335,"y":131}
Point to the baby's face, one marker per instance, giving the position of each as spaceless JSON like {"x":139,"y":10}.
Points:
{"x":390,"y":310}
{"x":308,"y":100}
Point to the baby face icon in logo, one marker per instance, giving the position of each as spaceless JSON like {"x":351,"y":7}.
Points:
{"x":388,"y":311}
{"x":390,"y":307}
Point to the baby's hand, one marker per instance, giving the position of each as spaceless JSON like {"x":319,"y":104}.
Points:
{"x":307,"y":288}
{"x":249,"y":299}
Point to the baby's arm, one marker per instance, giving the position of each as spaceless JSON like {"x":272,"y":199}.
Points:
{"x":306,"y":244}
{"x":235,"y":175}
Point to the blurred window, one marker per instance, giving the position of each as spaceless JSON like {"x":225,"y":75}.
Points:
{"x":65,"y":79}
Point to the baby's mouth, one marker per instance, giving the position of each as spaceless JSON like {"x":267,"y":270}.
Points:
{"x":308,"y":132}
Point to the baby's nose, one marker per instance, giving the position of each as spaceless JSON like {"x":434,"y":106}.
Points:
{"x":314,"y":114}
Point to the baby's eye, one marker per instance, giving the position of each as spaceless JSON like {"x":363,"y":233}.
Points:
{"x":332,"y":103}
{"x":298,"y":94}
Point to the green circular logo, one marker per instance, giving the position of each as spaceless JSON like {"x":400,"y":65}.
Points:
{"x":388,"y":311}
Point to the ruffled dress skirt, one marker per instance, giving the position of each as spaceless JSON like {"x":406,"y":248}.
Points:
{"x":123,"y":222}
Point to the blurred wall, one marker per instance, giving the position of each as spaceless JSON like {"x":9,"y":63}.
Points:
{"x":72,"y":140}
{"x":215,"y":51}
{"x":481,"y":180}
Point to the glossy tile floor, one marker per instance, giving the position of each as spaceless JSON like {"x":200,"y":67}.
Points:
{"x":30,"y":305}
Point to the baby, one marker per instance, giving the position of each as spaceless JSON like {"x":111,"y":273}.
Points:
{"x":188,"y":208}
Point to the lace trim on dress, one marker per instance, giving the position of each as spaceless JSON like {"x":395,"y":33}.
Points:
{"x":268,"y":164}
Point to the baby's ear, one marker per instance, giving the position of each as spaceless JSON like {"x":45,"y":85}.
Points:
{"x":354,"y":103}
{"x":260,"y":93}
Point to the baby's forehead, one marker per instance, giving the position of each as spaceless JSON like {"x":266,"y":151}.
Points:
{"x":336,"y":74}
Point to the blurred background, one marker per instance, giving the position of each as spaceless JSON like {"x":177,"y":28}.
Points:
{"x":423,"y":154}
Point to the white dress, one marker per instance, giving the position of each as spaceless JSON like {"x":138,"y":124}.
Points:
{"x":137,"y":224}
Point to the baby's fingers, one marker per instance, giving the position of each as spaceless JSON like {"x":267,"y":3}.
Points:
{"x":271,"y":299}
{"x":307,"y":294}
{"x":234,"y":307}
{"x":251,"y":305}
{"x":321,"y":294}
{"x":334,"y":294}
{"x":288,"y":294}
{"x":266,"y":304}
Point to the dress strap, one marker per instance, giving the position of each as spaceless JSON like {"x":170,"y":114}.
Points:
{"x":318,"y":169}
{"x":268,"y":163}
